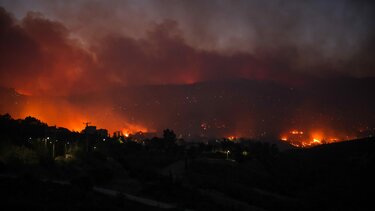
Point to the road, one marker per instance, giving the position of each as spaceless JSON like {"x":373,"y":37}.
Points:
{"x":110,"y":192}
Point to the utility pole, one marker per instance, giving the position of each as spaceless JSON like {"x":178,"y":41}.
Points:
{"x":87,"y":123}
{"x":86,"y":134}
{"x":53,"y":150}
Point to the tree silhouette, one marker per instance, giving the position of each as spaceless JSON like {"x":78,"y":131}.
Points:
{"x":169,"y":136}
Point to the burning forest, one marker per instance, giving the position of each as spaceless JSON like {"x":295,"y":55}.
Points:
{"x":166,"y":100}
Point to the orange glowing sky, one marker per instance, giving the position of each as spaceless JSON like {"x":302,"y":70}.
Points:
{"x":63,"y":114}
{"x":236,"y":73}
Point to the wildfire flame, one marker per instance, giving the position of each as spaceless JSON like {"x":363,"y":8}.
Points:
{"x":296,"y":132}
{"x":300,"y":138}
{"x":64,"y":114}
{"x":316,"y":141}
{"x":231,"y":138}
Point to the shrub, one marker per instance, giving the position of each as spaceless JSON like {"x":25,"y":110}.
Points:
{"x":19,"y":155}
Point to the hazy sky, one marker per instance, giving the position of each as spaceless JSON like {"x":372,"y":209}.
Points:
{"x":71,"y":48}
{"x":317,"y":37}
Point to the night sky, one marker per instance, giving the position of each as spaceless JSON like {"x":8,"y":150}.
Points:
{"x":208,"y":68}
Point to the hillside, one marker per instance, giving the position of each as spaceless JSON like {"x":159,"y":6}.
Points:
{"x":258,"y":109}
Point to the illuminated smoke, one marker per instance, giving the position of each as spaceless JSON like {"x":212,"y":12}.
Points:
{"x":71,"y":77}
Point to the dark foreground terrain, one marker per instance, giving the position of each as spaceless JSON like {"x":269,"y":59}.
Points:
{"x":28,"y":193}
{"x":166,"y":173}
{"x":329,"y":177}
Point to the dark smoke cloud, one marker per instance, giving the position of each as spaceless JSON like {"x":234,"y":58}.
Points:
{"x":38,"y":56}
{"x":163,"y":57}
{"x":41,"y":57}
{"x":326,"y":37}
{"x":77,"y":49}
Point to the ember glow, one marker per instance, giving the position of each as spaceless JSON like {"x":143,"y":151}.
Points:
{"x":311,"y":138}
{"x":62,"y":113}
{"x":231,"y":138}
{"x":227,"y":70}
